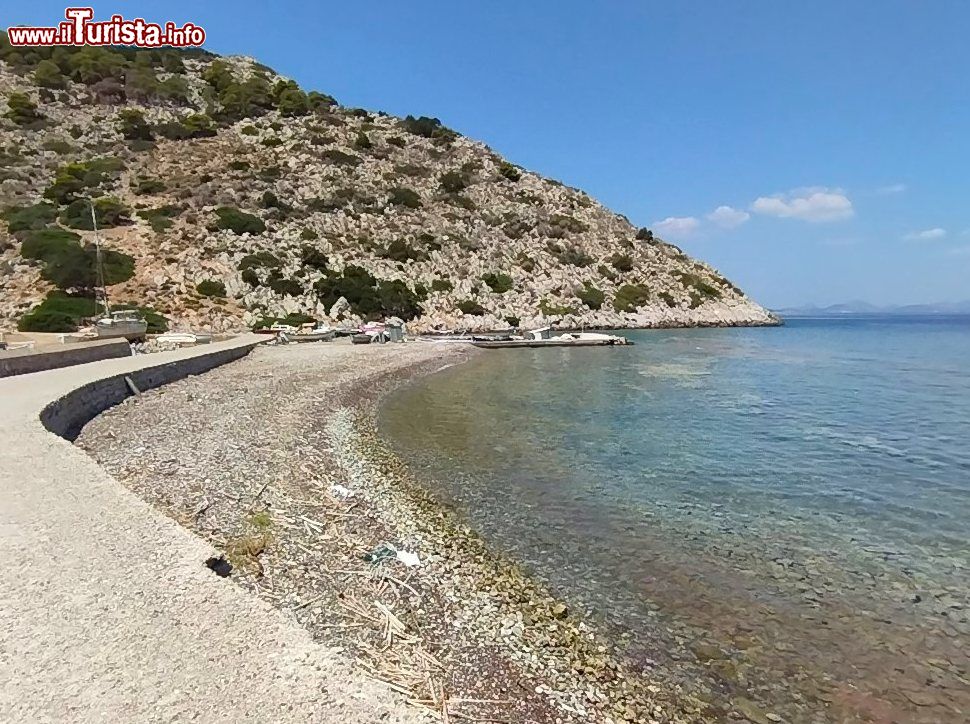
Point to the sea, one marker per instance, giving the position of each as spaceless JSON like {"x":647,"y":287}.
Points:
{"x":773,"y":520}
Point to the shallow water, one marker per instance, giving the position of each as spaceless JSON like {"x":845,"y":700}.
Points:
{"x":777,"y":519}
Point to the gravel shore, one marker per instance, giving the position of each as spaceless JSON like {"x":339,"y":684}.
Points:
{"x":275,"y":460}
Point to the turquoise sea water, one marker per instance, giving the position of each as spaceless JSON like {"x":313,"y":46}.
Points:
{"x":778,"y":517}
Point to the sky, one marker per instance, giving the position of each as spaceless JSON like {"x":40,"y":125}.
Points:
{"x":814,"y":152}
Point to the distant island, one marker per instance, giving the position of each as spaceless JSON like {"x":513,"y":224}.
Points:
{"x":860,"y":307}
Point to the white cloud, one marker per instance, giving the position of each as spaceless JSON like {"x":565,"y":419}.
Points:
{"x":926,"y":234}
{"x":816,"y":203}
{"x":727,"y":217}
{"x":890,"y":190}
{"x":676,"y":226}
{"x":960,"y":251}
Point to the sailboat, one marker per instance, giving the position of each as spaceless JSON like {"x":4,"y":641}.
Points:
{"x":127,"y":323}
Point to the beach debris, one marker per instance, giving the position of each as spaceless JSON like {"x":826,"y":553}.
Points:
{"x":388,"y":551}
{"x":408,"y":558}
{"x":220,"y":566}
{"x":341,"y":491}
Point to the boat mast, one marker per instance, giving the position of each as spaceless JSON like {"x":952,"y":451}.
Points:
{"x":99,"y":266}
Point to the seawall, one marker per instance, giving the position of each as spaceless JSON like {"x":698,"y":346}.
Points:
{"x":25,"y":361}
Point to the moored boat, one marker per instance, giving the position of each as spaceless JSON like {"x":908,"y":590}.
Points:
{"x":311,"y":333}
{"x":544,"y":338}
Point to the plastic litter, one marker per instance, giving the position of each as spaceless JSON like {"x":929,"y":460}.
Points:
{"x":388,"y":551}
{"x":341,"y":491}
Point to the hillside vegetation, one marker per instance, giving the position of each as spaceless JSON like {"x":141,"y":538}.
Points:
{"x":228,"y":196}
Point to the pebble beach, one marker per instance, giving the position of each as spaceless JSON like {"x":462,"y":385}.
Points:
{"x":275,"y":461}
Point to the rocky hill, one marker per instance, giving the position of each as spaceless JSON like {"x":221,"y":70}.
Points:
{"x":228,"y":196}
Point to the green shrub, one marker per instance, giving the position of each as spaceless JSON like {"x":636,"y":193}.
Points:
{"x":79,"y":179}
{"x":218,"y":75}
{"x":261,"y":259}
{"x":498,"y":282}
{"x":160,"y":219}
{"x":402,"y":196}
{"x":463,"y":202}
{"x":397,"y":141}
{"x":194,"y":125}
{"x":284,"y":287}
{"x":567,"y":223}
{"x":57,"y":146}
{"x":44,"y":244}
{"x":239,"y":222}
{"x":22,"y":110}
{"x":252,"y":97}
{"x":133,"y":126}
{"x":293,"y":102}
{"x":269,"y":200}
{"x":550,"y":309}
{"x":512,"y":321}
{"x":211,"y":288}
{"x":313,"y":258}
{"x":172,"y":62}
{"x":309,"y":235}
{"x":141,"y":84}
{"x":400,"y":250}
{"x":251,"y":277}
{"x":23,"y":218}
{"x":644,"y":234}
{"x":173,"y":90}
{"x":145,"y":187}
{"x":58,"y":312}
{"x":397,"y":300}
{"x":509,"y":171}
{"x":526,"y":262}
{"x":427,"y":127}
{"x":363,"y":141}
{"x":629,"y":297}
{"x":320,"y":102}
{"x":48,"y":75}
{"x":108,"y":213}
{"x":92,"y":64}
{"x":668,"y":299}
{"x":453,"y":182}
{"x":622,"y":262}
{"x":43,"y":321}
{"x":366,"y":295}
{"x":470,"y":306}
{"x":68,"y":265}
{"x":606,"y":272}
{"x":591,"y":296}
{"x":571,"y":254}
{"x":441,"y":285}
{"x":340,"y":158}
{"x":698,"y":287}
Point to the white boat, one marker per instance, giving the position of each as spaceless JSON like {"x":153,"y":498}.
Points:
{"x":544,"y":337}
{"x":310,"y":333}
{"x":127,"y":323}
{"x":183,"y":338}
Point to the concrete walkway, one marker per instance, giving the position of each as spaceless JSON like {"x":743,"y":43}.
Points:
{"x":107,"y":612}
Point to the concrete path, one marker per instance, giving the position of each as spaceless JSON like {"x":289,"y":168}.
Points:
{"x":107,"y":612}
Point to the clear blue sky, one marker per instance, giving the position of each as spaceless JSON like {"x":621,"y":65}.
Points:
{"x":838,"y":133}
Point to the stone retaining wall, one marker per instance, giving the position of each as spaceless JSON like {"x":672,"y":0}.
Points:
{"x":25,"y":361}
{"x":65,"y":417}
